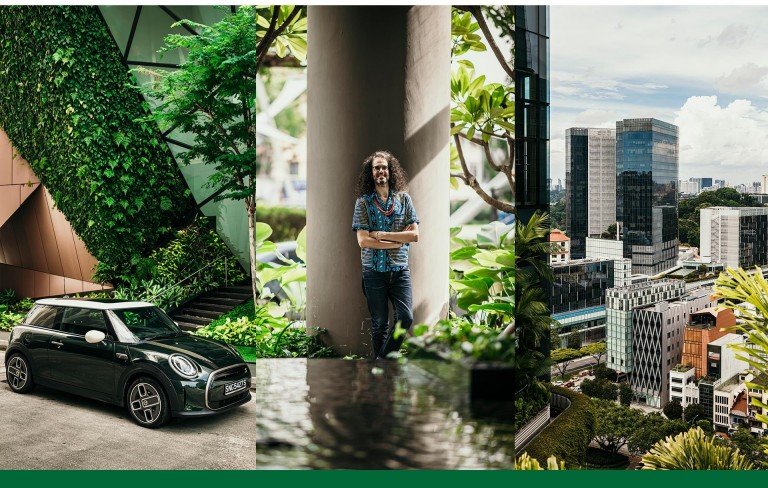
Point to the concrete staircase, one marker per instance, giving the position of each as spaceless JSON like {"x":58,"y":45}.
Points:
{"x":209,"y":306}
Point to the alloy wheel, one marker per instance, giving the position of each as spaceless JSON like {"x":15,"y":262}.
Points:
{"x":18,"y":373}
{"x":145,"y":403}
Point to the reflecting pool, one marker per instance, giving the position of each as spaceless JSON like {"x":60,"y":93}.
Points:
{"x":365,"y":414}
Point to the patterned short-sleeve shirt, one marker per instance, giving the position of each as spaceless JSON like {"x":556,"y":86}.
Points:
{"x":369,"y":217}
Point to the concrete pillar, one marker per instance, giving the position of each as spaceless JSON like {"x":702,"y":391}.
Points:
{"x":378,"y":78}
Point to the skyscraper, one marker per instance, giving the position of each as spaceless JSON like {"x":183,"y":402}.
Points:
{"x":647,"y":170}
{"x":590,"y":185}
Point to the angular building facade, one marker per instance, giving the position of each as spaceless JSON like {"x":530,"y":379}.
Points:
{"x":647,"y":169}
{"x":620,"y":307}
{"x":657,"y":344}
{"x":734,"y":236}
{"x":590,"y":184}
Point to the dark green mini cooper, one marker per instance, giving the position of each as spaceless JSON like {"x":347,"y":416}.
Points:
{"x":126,"y":353}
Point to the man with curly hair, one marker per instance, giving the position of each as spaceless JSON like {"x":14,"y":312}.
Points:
{"x":386,"y":223}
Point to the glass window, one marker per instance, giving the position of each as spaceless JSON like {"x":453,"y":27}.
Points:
{"x":42,"y":316}
{"x":81,"y":320}
{"x":147,"y":322}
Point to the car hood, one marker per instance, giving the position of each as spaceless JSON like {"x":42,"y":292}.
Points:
{"x":207,"y":352}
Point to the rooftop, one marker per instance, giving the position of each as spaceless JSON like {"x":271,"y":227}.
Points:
{"x":94,"y":303}
{"x":556,"y":235}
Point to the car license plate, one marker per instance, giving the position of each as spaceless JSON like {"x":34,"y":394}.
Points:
{"x":235,"y":387}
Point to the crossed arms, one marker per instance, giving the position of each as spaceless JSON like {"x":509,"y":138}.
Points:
{"x":387,"y":240}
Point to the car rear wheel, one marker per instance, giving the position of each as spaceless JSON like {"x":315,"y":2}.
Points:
{"x":148,"y":404}
{"x":19,"y":374}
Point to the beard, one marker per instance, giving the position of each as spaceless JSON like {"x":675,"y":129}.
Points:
{"x":381,"y":181}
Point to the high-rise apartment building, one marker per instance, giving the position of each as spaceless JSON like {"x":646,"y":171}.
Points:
{"x":658,"y":344}
{"x":764,"y":180}
{"x":590,"y":184}
{"x":647,"y":170}
{"x":734,"y":236}
{"x":620,"y":304}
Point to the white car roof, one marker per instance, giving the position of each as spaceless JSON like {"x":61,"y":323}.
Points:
{"x":96,"y":304}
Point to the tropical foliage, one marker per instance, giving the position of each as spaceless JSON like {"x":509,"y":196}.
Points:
{"x":195,"y":261}
{"x":271,"y":336}
{"x":212,"y":96}
{"x":484,"y":274}
{"x":694,"y":450}
{"x":526,"y":462}
{"x":458,"y":339}
{"x":72,"y":117}
{"x":481,"y":113}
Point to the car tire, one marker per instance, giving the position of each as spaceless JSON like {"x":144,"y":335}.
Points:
{"x":147,"y":403}
{"x":18,"y":373}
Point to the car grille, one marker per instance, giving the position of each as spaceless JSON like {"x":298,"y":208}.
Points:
{"x":229,"y":400}
{"x":215,"y":398}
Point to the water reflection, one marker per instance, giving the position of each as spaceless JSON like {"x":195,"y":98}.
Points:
{"x":338,"y":414}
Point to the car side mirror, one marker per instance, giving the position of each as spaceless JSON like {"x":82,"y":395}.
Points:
{"x":94,"y":336}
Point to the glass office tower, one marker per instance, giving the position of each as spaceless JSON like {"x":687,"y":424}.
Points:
{"x":647,"y":168}
{"x":590,"y":185}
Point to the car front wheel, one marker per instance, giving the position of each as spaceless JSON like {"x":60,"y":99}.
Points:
{"x":19,"y":374}
{"x":148,"y":404}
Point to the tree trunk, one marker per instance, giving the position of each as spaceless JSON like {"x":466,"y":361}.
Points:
{"x":251,"y":208}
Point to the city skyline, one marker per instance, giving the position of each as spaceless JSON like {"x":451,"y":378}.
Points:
{"x":698,"y":67}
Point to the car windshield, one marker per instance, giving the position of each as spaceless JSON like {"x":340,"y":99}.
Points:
{"x":147,"y":323}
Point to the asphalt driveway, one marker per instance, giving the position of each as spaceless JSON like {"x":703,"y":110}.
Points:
{"x":49,"y":429}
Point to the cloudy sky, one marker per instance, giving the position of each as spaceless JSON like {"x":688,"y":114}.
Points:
{"x":702,"y":68}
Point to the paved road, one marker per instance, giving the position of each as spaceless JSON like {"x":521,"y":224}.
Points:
{"x":577,"y":364}
{"x":49,"y":429}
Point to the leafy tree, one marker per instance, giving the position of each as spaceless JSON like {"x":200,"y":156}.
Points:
{"x":600,"y":388}
{"x":615,"y":424}
{"x":694,"y":450}
{"x":689,"y":210}
{"x":213,"y":96}
{"x":706,"y":426}
{"x":610,"y":233}
{"x":596,"y":350}
{"x":604,"y":372}
{"x":557,"y":214}
{"x":282,"y":30}
{"x":481,"y":114}
{"x":564,"y":357}
{"x":673,"y":410}
{"x":625,"y":394}
{"x":574,"y":340}
{"x":745,"y":441}
{"x":693,"y":413}
{"x":652,"y":429}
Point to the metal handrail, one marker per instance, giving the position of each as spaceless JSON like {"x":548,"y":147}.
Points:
{"x":226,"y":278}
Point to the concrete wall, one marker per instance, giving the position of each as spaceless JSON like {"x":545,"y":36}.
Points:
{"x":378,"y":78}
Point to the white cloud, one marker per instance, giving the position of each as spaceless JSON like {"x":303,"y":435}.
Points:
{"x":732,"y":137}
{"x":743,"y":78}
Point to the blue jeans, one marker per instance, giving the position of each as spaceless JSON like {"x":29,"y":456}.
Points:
{"x":381,"y":288}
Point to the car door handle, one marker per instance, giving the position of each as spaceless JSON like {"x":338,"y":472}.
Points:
{"x":58,"y":344}
{"x":120,"y":355}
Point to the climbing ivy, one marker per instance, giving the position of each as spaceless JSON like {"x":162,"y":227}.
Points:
{"x":66,"y":105}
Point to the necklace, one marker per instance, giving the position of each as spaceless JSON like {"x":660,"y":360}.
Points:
{"x":385,"y":212}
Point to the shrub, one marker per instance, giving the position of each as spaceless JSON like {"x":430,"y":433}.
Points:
{"x":286,"y":223}
{"x":72,"y":116}
{"x":568,"y":436}
{"x":458,"y":338}
{"x":169,"y":276}
{"x":272,"y":337}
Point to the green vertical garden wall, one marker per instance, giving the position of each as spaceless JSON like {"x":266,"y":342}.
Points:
{"x":66,"y":105}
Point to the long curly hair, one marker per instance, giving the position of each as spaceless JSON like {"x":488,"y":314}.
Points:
{"x":398,"y":178}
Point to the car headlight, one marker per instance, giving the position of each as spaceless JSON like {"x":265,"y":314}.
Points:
{"x":184,"y":366}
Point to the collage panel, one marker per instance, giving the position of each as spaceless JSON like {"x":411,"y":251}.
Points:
{"x":657,"y":246}
{"x":125,"y":264}
{"x":386,"y":145}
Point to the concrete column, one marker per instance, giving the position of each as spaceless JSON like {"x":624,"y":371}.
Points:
{"x":378,"y":78}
